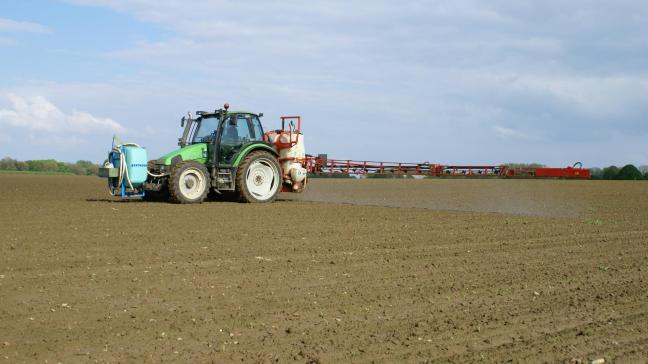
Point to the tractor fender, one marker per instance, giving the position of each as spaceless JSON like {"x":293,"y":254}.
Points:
{"x":251,"y":148}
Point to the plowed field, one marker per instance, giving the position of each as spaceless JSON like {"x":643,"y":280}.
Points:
{"x":351,"y":271}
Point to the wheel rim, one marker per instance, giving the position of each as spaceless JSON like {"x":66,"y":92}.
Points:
{"x":192,"y":183}
{"x":262,"y":179}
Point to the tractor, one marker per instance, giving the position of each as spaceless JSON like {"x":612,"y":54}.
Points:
{"x":223,"y":152}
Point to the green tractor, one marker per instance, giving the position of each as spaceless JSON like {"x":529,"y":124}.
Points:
{"x":221,"y":153}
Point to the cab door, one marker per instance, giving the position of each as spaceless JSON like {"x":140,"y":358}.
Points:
{"x":235,"y":134}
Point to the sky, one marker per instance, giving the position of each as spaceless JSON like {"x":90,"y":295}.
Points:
{"x":450,"y":82}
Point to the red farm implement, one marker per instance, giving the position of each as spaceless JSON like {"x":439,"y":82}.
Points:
{"x":321,"y":165}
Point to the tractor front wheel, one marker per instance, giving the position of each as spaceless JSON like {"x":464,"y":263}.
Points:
{"x":188,"y":182}
{"x":258,"y":178}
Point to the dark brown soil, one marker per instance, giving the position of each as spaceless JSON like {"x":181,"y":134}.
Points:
{"x":84,"y":278}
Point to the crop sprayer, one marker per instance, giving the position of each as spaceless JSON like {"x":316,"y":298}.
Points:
{"x":228,"y":152}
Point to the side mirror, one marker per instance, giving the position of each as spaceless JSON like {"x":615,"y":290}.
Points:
{"x":182,"y":121}
{"x":260,"y":114}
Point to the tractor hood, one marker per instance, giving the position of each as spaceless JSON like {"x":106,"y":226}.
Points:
{"x":194,"y":152}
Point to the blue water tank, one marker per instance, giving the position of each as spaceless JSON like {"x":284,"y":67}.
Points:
{"x":136,"y":162}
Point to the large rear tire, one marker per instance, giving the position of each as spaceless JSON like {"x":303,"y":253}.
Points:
{"x":189,"y":182}
{"x":258,"y":178}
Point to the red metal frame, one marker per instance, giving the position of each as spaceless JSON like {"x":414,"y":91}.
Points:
{"x":287,"y":145}
{"x":337,"y":166}
{"x":280,"y":146}
{"x":288,"y":132}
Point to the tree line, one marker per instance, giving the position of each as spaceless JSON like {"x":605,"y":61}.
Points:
{"x":627,"y":172}
{"x":81,"y":168}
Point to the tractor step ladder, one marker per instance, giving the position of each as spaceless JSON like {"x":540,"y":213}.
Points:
{"x":224,"y":180}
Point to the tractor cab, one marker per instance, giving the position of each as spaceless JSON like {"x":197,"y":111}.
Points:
{"x":224,"y":133}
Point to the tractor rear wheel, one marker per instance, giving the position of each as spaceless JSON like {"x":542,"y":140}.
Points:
{"x":258,"y":178}
{"x":188,"y":182}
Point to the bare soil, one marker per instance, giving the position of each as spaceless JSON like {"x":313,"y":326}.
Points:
{"x":351,"y":271}
{"x":523,"y":197}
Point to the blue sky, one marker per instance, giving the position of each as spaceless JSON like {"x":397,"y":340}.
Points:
{"x":455,"y":82}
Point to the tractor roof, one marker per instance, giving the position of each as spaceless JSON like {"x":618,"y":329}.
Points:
{"x":207,"y":113}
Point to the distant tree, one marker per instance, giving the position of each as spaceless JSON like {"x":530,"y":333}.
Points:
{"x":610,"y":172}
{"x":78,"y":169}
{"x":643,"y":169}
{"x":62,"y":167}
{"x":34,"y":166}
{"x":22,"y":166}
{"x":596,"y":173}
{"x":50,"y":165}
{"x":89,"y":167}
{"x":526,"y":165}
{"x":43,"y":165}
{"x":84,"y":168}
{"x":629,"y":172}
{"x":7,"y":164}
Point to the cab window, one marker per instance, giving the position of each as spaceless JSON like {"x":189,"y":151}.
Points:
{"x":236,"y":130}
{"x":256,"y":127}
{"x":235,"y":133}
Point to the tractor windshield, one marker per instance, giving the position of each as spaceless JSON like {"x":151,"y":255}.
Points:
{"x":205,"y":127}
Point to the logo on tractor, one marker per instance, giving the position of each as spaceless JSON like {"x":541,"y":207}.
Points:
{"x":138,"y":165}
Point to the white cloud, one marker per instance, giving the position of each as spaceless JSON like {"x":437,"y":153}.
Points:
{"x":9,"y":25}
{"x":509,"y":133}
{"x":602,"y":95}
{"x":7,"y":41}
{"x":39,"y":114}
